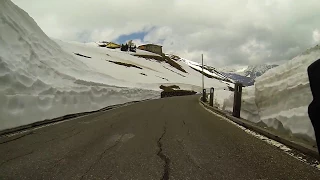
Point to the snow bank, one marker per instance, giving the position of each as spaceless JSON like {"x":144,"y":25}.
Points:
{"x":281,"y":96}
{"x":249,"y":109}
{"x":21,"y":109}
{"x":38,"y":80}
{"x":220,"y":97}
{"x":42,"y":79}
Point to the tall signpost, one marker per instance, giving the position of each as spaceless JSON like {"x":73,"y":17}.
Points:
{"x":204,"y":96}
{"x":237,"y":100}
{"x":202,"y":72}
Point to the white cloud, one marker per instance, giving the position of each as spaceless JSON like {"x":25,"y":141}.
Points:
{"x":316,"y":36}
{"x":226,"y":31}
{"x":158,"y":34}
{"x":255,"y":51}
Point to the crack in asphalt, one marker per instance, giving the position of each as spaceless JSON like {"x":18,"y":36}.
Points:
{"x":16,"y":158}
{"x":191,"y":160}
{"x":39,"y":142}
{"x":101,"y":156}
{"x":163,"y":157}
{"x":70,"y":136}
{"x":56,"y":163}
{"x":68,"y":130}
{"x":58,"y":138}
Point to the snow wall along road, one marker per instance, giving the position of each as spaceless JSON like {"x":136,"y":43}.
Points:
{"x":39,"y":81}
{"x":280,"y":98}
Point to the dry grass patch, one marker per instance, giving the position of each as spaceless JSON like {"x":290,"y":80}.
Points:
{"x":174,"y":90}
{"x":78,"y":54}
{"x":162,"y":58}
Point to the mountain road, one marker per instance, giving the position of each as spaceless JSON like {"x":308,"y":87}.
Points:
{"x":170,"y":138}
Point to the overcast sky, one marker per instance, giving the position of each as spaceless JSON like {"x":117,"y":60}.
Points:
{"x":226,"y":31}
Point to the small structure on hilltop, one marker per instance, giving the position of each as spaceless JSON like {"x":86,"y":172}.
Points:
{"x":127,"y":47}
{"x":132,"y":46}
{"x":151,"y":48}
{"x":130,"y":43}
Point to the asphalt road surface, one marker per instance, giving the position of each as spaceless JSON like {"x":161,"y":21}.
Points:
{"x":173,"y":138}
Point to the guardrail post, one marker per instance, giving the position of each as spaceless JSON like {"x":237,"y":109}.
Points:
{"x":237,"y":100}
{"x":204,"y":95}
{"x":211,"y":96}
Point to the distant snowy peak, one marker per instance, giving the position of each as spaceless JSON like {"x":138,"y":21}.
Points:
{"x":245,"y":74}
{"x":257,"y":70}
{"x":246,"y":81}
{"x":240,"y":73}
{"x":234,"y":69}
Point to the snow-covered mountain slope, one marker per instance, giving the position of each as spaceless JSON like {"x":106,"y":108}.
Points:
{"x":257,"y":70}
{"x":42,"y":79}
{"x":148,"y":74}
{"x":208,"y":71}
{"x":245,"y":74}
{"x":251,"y":71}
{"x":246,"y":81}
{"x":233,"y":69}
{"x":280,"y":97}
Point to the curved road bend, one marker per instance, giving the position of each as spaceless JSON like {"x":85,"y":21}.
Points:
{"x":173,"y":138}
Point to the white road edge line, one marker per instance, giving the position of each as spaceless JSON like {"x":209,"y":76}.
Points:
{"x":272,"y":142}
{"x":42,"y":126}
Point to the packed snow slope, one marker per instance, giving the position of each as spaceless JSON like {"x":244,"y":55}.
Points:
{"x":43,"y":79}
{"x":148,"y":73}
{"x":280,"y":97}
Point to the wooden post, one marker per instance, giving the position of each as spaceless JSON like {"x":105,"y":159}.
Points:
{"x":237,"y":100}
{"x":211,"y":96}
{"x":204,"y":95}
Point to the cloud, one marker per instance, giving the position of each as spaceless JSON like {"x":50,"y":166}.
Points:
{"x":255,"y":51}
{"x":225,"y":31}
{"x":316,"y":36}
{"x":125,"y":37}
